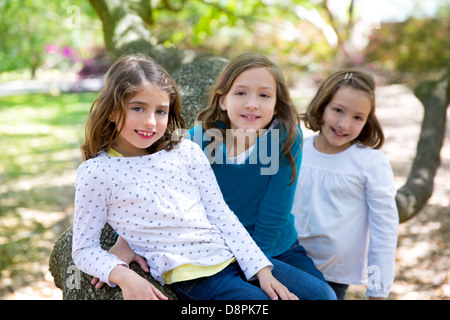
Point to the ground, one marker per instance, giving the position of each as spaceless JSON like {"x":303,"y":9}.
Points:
{"x":423,"y":255}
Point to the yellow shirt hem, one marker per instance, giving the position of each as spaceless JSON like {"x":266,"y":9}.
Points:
{"x":190,"y":271}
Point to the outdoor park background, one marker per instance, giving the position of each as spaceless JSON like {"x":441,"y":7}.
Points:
{"x":53,"y":55}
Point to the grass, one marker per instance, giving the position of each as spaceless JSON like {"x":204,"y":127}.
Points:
{"x":40,"y":136}
{"x":35,"y":129}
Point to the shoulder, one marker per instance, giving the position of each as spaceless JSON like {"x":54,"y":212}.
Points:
{"x":371,"y":162}
{"x":187,"y":149}
{"x":93,"y":163}
{"x":187,"y":145}
{"x":102,"y":166}
{"x":92,"y":171}
{"x":360,"y":151}
{"x":377,"y":161}
{"x":368,"y":154}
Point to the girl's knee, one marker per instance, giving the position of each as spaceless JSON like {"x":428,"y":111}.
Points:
{"x":326,"y":293}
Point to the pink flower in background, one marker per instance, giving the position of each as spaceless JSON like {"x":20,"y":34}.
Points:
{"x":67,"y":51}
{"x":51,"y":48}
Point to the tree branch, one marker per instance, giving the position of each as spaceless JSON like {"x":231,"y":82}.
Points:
{"x":412,"y":197}
{"x":144,"y":9}
{"x":123,"y":29}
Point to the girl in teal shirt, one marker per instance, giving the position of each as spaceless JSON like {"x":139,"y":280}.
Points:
{"x":250,"y":132}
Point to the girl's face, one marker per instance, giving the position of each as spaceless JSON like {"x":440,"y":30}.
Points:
{"x":343,"y":119}
{"x":147,"y":114}
{"x":250,"y":102}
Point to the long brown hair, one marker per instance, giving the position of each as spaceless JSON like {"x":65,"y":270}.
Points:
{"x":372,"y":134}
{"x":123,"y":79}
{"x":284,"y":107}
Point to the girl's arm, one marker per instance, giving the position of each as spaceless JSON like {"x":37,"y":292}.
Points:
{"x":274,"y":221}
{"x":250,"y":258}
{"x":90,"y":215}
{"x":123,"y":251}
{"x":383,"y":224}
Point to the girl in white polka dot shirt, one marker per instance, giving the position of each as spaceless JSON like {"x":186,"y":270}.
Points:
{"x":160,"y":195}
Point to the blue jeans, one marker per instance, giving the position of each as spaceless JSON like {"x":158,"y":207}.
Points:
{"x":230,"y":284}
{"x":340,"y":289}
{"x":296,"y":256}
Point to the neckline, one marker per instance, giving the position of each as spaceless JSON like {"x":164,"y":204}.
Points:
{"x":247,"y":152}
{"x":328,"y":155}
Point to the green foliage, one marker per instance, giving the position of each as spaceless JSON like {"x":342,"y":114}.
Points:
{"x":196,"y":21}
{"x":416,"y":45}
{"x":227,"y":28}
{"x":27,"y":27}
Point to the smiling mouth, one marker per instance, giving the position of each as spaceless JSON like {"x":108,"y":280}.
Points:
{"x":249,"y":116}
{"x":146,"y":134}
{"x":339,"y":134}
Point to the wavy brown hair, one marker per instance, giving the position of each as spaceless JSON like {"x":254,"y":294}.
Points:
{"x":372,"y":134}
{"x":284,"y":107}
{"x":124,"y":79}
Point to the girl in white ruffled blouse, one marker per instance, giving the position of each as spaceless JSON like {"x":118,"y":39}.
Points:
{"x":345,"y":209}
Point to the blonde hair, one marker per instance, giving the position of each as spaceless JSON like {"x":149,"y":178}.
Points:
{"x":284,"y":107}
{"x":124,"y":79}
{"x":372,"y":134}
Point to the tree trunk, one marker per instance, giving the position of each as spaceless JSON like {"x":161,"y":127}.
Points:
{"x":76,"y":285}
{"x":412,"y":197}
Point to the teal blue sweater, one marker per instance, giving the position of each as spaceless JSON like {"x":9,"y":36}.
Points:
{"x":258,"y":190}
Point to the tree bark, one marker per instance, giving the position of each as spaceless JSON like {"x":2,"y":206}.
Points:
{"x":76,"y":285}
{"x":413,"y":196}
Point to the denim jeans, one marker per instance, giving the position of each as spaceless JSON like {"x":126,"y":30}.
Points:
{"x":296,"y":256}
{"x":230,"y":284}
{"x":340,"y":289}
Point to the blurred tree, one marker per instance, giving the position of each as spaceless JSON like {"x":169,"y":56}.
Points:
{"x":27,"y":27}
{"x":159,"y":28}
{"x":419,"y":49}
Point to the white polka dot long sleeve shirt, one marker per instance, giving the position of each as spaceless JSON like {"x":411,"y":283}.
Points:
{"x":167,"y":206}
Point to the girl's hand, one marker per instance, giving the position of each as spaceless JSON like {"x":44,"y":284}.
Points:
{"x":273,"y":287}
{"x":122,"y":250}
{"x":133,"y":286}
